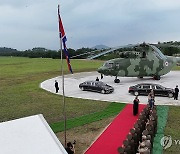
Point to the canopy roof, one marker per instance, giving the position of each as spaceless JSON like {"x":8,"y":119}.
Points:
{"x":29,"y":135}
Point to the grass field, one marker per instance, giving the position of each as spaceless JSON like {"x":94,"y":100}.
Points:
{"x":177,"y":68}
{"x":112,"y":110}
{"x":21,"y":96}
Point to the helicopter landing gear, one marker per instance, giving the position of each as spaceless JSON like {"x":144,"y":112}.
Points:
{"x":157,"y":77}
{"x":116,"y":80}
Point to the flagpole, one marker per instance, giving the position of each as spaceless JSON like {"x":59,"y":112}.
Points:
{"x":64,"y":103}
{"x":62,"y":73}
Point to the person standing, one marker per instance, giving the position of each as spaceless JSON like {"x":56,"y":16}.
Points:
{"x":56,"y":86}
{"x":101,"y":76}
{"x":135,"y":106}
{"x":97,"y":79}
{"x":151,"y":99}
{"x":176,"y":93}
{"x":70,"y":148}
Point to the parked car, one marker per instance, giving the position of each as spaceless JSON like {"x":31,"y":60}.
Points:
{"x":145,"y":88}
{"x":97,"y":86}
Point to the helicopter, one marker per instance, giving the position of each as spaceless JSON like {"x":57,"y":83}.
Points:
{"x":146,"y":60}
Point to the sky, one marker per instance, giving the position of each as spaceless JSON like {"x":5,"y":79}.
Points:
{"x":25,"y":24}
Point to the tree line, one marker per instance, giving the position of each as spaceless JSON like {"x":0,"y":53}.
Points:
{"x":168,"y":48}
{"x":39,"y":52}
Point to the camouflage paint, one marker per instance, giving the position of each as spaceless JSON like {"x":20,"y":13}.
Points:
{"x":154,"y":64}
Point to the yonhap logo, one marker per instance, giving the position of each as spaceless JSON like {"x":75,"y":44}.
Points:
{"x":166,"y":142}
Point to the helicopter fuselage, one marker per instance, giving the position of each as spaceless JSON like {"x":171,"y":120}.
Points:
{"x":145,"y":60}
{"x":151,"y":65}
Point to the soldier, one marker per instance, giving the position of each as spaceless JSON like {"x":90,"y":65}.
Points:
{"x":144,"y":150}
{"x":146,"y":142}
{"x":176,"y":93}
{"x":121,"y":150}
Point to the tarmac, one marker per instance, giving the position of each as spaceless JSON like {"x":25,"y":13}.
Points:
{"x":120,"y":94}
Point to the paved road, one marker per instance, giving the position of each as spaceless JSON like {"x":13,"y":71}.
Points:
{"x":120,"y":93}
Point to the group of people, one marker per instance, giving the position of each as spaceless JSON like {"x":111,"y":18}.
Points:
{"x":151,"y":100}
{"x":136,"y":101}
{"x":149,"y":131}
{"x":140,"y":138}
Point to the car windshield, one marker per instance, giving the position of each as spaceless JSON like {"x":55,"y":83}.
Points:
{"x":138,"y":86}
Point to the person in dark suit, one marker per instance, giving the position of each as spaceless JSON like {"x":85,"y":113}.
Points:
{"x":56,"y":86}
{"x":70,"y":148}
{"x":135,"y":106}
{"x":176,"y":93}
{"x":97,"y":79}
{"x":101,"y":76}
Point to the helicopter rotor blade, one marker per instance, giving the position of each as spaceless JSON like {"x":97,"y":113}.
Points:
{"x":90,"y":52}
{"x":111,"y":50}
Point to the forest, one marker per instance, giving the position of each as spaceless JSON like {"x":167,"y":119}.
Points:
{"x":168,"y":48}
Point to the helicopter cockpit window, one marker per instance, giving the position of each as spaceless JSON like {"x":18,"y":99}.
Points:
{"x":143,"y":54}
{"x":117,"y":65}
{"x":108,"y":65}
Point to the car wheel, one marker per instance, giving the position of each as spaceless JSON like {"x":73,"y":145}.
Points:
{"x":116,"y":81}
{"x":170,"y":95}
{"x":103,"y":91}
{"x":157,"y":77}
{"x":136,"y":93}
{"x":82,"y":88}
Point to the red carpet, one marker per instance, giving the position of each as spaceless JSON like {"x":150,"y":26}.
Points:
{"x":113,"y":137}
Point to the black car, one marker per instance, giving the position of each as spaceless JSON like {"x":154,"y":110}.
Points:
{"x":145,"y":88}
{"x":97,"y":86}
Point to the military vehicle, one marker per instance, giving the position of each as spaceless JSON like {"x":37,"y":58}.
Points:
{"x":146,"y":60}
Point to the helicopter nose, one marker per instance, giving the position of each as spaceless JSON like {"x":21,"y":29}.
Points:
{"x":102,"y":70}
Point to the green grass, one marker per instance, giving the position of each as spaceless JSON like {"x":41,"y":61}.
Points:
{"x":172,"y":129}
{"x":111,"y":110}
{"x":162,"y":113}
{"x":15,"y":66}
{"x":21,"y":96}
{"x":176,"y":68}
